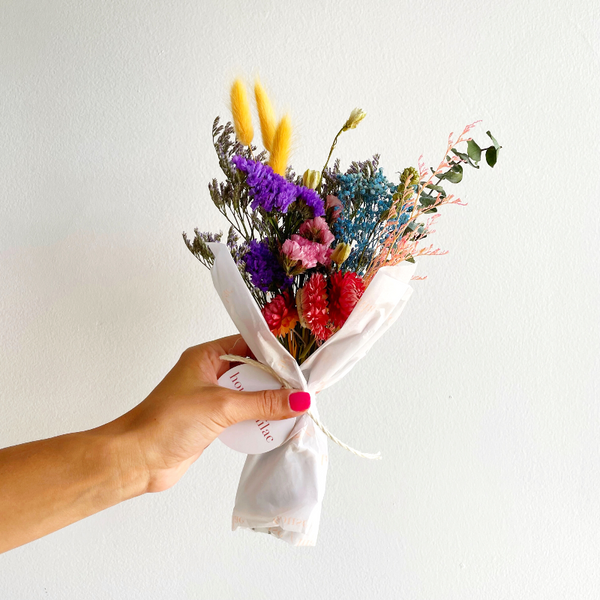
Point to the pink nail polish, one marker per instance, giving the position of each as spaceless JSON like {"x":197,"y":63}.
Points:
{"x":299,"y":401}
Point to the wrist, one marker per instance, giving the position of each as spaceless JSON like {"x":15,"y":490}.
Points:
{"x":118,"y":452}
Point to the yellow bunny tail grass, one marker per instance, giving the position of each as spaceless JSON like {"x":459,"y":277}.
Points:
{"x":282,"y":143}
{"x":266,"y":114}
{"x":240,"y":109}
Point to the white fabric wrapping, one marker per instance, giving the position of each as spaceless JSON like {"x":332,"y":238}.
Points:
{"x":281,"y":492}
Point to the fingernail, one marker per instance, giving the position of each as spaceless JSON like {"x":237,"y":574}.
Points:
{"x":299,"y":401}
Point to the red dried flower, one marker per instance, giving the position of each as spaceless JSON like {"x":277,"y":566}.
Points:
{"x":345,"y":290}
{"x":311,"y":301}
{"x":280,"y":314}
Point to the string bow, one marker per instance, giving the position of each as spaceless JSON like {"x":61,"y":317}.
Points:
{"x":310,"y":413}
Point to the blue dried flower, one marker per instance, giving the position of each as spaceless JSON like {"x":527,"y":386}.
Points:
{"x":365,"y":199}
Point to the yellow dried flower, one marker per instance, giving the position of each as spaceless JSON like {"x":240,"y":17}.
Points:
{"x":356,"y":116}
{"x":266,"y":115}
{"x":240,"y":109}
{"x":311,"y":179}
{"x":282,"y":144}
{"x":341,"y":253}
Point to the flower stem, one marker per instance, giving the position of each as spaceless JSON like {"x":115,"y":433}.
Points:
{"x":329,"y":156}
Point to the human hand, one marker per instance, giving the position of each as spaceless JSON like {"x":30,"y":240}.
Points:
{"x":188,"y":409}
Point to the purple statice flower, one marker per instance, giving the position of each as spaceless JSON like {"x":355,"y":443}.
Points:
{"x":237,"y":250}
{"x":267,"y":189}
{"x":207,"y":236}
{"x":264,"y":268}
{"x":311,"y":199}
{"x":272,"y":191}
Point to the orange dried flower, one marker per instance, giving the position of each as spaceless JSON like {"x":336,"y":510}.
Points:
{"x":280,"y":314}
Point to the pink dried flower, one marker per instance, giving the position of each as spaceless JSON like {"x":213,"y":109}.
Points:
{"x":310,"y":246}
{"x":333,"y":207}
{"x":311,"y":302}
{"x":308,"y":253}
{"x":317,"y":230}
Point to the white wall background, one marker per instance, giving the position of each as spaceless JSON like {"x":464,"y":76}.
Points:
{"x":484,"y":398}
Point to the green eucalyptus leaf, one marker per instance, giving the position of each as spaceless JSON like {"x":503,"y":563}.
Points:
{"x":461,"y":155}
{"x":474,"y":150}
{"x":437,"y":188}
{"x":491,"y":156}
{"x":496,"y":144}
{"x":410,"y":259}
{"x":454,"y":175}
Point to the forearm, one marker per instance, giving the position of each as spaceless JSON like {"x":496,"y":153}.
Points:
{"x":51,"y":483}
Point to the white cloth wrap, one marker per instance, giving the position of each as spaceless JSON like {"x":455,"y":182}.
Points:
{"x":281,"y":492}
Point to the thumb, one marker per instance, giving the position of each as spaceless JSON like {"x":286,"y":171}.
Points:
{"x":267,"y":404}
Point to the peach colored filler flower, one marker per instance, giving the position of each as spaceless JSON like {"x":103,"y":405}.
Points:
{"x":311,"y":301}
{"x":345,"y":290}
{"x":280,"y":314}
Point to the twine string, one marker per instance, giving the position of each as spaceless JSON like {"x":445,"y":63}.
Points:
{"x":309,"y":412}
